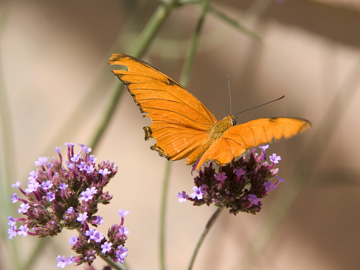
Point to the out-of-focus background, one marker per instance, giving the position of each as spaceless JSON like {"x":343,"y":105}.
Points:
{"x":55,"y":85}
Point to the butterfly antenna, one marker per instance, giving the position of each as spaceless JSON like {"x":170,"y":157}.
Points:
{"x":271,"y":101}
{"x":230,"y":95}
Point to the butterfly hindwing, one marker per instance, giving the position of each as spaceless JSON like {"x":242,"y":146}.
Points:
{"x":238,"y":139}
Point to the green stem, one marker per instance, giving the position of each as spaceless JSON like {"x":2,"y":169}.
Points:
{"x":207,"y":228}
{"x":194,"y":44}
{"x":113,"y":264}
{"x":163,"y":215}
{"x":142,"y":44}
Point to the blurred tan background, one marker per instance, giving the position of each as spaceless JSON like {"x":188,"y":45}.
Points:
{"x":53,"y":64}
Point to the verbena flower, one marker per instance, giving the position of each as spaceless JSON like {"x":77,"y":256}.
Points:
{"x":62,"y":196}
{"x":239,"y":186}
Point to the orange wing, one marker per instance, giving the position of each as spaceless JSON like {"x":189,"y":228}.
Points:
{"x":237,"y":139}
{"x":180,"y":122}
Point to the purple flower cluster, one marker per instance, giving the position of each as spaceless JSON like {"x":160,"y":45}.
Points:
{"x":239,"y":186}
{"x":60,"y":197}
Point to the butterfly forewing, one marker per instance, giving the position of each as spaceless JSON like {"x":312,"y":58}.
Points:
{"x":179,"y":120}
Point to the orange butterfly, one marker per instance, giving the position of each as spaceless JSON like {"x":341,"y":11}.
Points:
{"x":184,"y":128}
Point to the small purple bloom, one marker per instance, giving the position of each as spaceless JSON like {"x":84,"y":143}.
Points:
{"x":50,"y":196}
{"x":32,"y":186}
{"x":16,"y":185}
{"x":23,"y":208}
{"x":46,"y":185}
{"x":73,"y":240}
{"x":264,"y":147}
{"x":11,"y":221}
{"x":70,"y":210}
{"x":63,"y":186}
{"x":75,"y":158}
{"x":92,"y":159}
{"x":106,"y":247}
{"x":57,"y":149}
{"x":239,"y":172}
{"x":123,"y":213}
{"x":274,"y":158}
{"x":14,"y":198}
{"x":254,"y":199}
{"x":90,"y":233}
{"x":82,"y":217}
{"x":62,"y":262}
{"x":71,"y":166}
{"x":269,"y":186}
{"x":104,"y":172}
{"x":123,"y":230}
{"x":221,"y":176}
{"x":12,"y":232}
{"x":88,"y":194}
{"x":198,"y":193}
{"x":81,"y":166}
{"x":121,"y":253}
{"x":98,"y":237}
{"x":99,"y":220}
{"x":89,"y":168}
{"x":182,"y":197}
{"x":41,"y":161}
{"x":23,"y":230}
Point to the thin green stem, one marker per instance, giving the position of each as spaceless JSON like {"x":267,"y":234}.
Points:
{"x":163,"y":206}
{"x":194,"y":44}
{"x":207,"y":228}
{"x":113,"y":264}
{"x":142,"y":44}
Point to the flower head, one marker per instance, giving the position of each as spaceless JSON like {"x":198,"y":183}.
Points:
{"x":67,"y":195}
{"x":239,"y":186}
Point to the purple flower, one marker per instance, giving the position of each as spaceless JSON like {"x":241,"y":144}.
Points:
{"x":264,"y":147}
{"x":248,"y":180}
{"x":82,"y":217}
{"x":70,"y":210}
{"x":198,"y":192}
{"x":16,"y":185}
{"x":32,"y":186}
{"x":61,"y":262}
{"x":239,"y":172}
{"x":50,"y":196}
{"x":81,"y":166}
{"x":89,"y":168}
{"x":182,"y":197}
{"x":12,"y":232}
{"x":63,"y":186}
{"x":41,"y":161}
{"x":269,"y":186}
{"x":90,"y":233}
{"x":104,"y":172}
{"x":14,"y":198}
{"x":123,"y":230}
{"x":23,"y":230}
{"x":106,"y":247}
{"x":46,"y":185}
{"x":73,"y":240}
{"x":11,"y":221}
{"x":92,"y":159}
{"x":274,"y":158}
{"x":98,"y":237}
{"x":75,"y":158}
{"x":99,"y":220}
{"x":254,"y":199}
{"x":88,"y":194}
{"x":123,"y":213}
{"x":121,"y":253}
{"x":23,"y":208}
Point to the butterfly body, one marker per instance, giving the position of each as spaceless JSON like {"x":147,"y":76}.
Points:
{"x":184,"y":128}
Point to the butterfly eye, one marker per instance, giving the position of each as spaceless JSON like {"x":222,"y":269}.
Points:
{"x":233,"y":121}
